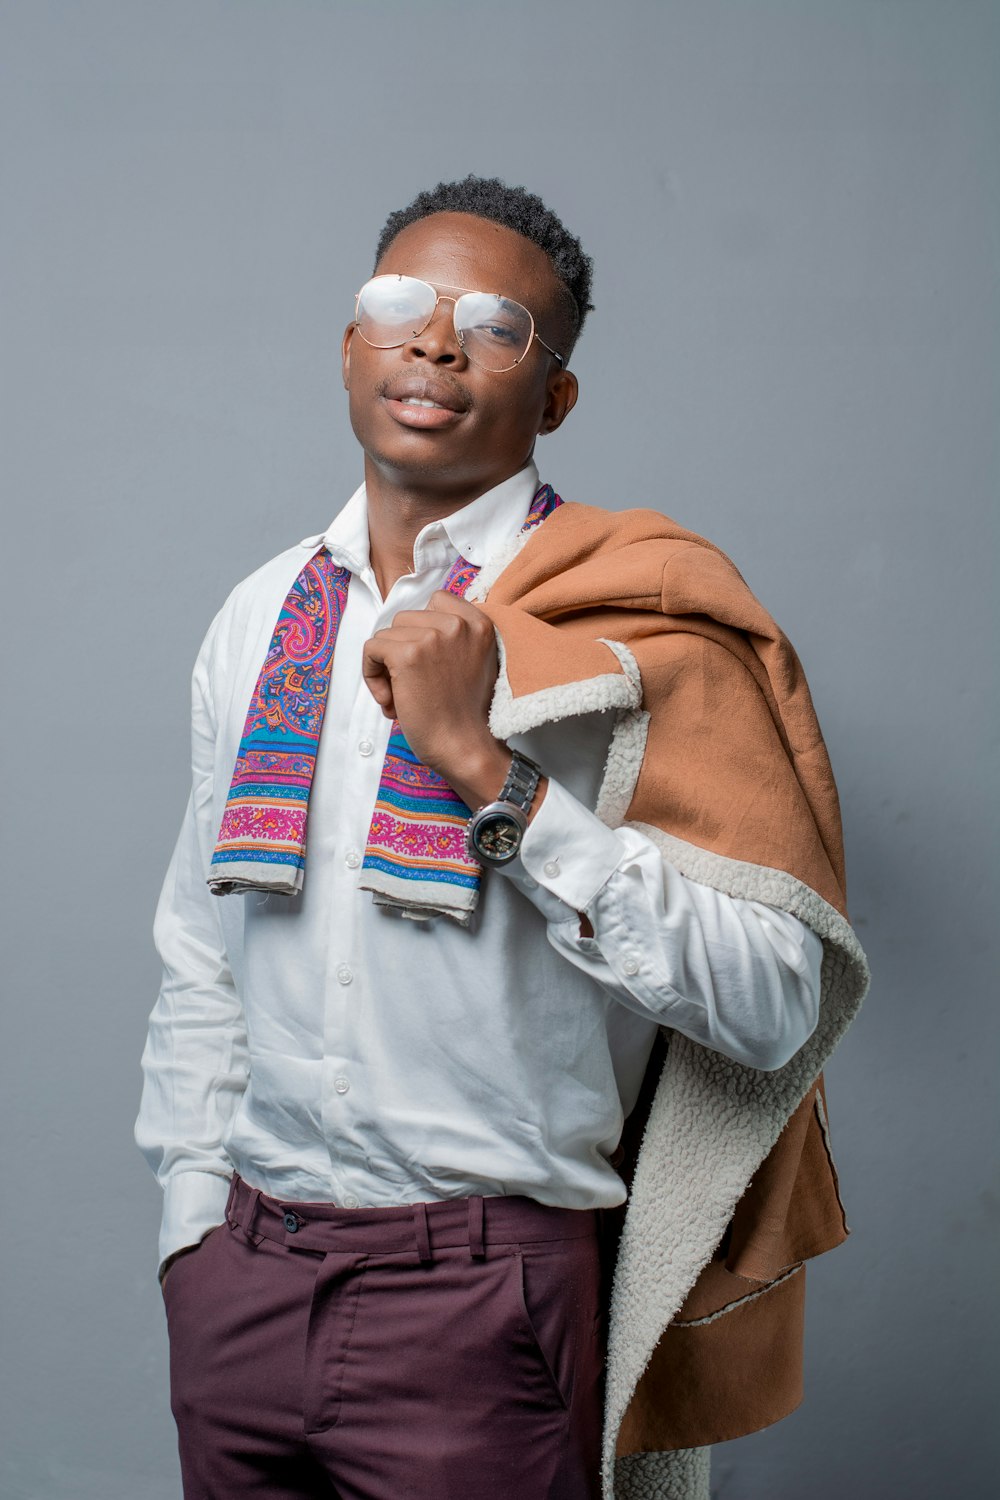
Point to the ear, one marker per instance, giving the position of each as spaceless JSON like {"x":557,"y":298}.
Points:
{"x":345,"y":355}
{"x":560,"y":399}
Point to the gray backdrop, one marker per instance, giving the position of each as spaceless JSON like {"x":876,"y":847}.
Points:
{"x":792,"y":208}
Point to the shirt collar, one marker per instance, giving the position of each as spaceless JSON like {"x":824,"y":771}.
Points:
{"x":475,"y":532}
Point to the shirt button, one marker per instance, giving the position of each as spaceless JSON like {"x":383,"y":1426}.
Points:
{"x":341,"y":1084}
{"x":352,"y":859}
{"x":344,"y":975}
{"x":529,"y":884}
{"x":631,"y":966}
{"x":551,"y":868}
{"x":365,"y":747}
{"x":349,"y":1201}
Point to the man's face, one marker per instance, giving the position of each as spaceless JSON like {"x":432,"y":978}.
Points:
{"x":489,"y":422}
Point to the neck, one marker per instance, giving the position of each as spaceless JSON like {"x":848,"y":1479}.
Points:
{"x":397,"y":513}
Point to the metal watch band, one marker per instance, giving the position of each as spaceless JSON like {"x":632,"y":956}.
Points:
{"x":493,"y":834}
{"x":522,"y":782}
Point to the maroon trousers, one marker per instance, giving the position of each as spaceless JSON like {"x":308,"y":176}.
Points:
{"x":440,"y":1351}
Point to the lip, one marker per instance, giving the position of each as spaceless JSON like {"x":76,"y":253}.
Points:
{"x":450,"y":405}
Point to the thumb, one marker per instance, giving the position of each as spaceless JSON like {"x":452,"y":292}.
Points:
{"x":446,"y":603}
{"x":376,"y":676}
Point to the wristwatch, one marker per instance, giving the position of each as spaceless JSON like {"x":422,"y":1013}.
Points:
{"x":494,"y":833}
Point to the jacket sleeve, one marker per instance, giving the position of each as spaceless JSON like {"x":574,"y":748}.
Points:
{"x":738,"y":976}
{"x":195,"y":1062}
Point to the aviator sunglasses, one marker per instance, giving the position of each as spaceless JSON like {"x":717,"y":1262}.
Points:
{"x":493,"y":331}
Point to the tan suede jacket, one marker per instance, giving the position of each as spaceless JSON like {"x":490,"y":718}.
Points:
{"x":716,"y":756}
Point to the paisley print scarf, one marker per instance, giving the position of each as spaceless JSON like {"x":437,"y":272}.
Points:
{"x":415,"y":858}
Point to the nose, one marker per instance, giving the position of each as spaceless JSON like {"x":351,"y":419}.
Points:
{"x":438,"y":342}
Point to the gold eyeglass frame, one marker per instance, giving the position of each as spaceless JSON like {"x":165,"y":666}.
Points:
{"x":444,"y":297}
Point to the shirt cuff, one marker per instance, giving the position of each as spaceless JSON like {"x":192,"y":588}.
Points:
{"x":567,"y":850}
{"x":193,"y":1203}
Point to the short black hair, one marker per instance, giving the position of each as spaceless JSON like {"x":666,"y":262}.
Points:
{"x":516,"y":209}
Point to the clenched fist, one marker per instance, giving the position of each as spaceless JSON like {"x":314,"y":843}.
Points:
{"x":434,"y":670}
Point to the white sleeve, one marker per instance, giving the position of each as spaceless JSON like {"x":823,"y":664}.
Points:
{"x":738,"y":976}
{"x":195,"y":1061}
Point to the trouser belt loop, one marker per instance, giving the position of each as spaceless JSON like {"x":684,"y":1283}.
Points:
{"x":477,"y":1249}
{"x":250,"y":1216}
{"x":231,"y":1202}
{"x":423,"y":1235}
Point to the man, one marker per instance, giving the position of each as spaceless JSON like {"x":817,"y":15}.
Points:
{"x":565,"y":799}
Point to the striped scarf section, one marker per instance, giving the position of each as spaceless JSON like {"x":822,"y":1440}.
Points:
{"x":415,"y":858}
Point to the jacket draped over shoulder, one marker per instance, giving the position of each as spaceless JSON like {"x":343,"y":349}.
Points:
{"x":718,"y":758}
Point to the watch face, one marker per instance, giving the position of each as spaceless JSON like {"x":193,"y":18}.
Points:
{"x":497,"y":837}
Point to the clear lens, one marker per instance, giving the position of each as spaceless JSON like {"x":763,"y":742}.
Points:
{"x":494,"y":331}
{"x":392,"y":309}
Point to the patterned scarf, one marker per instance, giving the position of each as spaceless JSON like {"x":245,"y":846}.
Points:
{"x":415,"y":857}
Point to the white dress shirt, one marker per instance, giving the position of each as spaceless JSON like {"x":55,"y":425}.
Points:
{"x":331,"y":1050}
